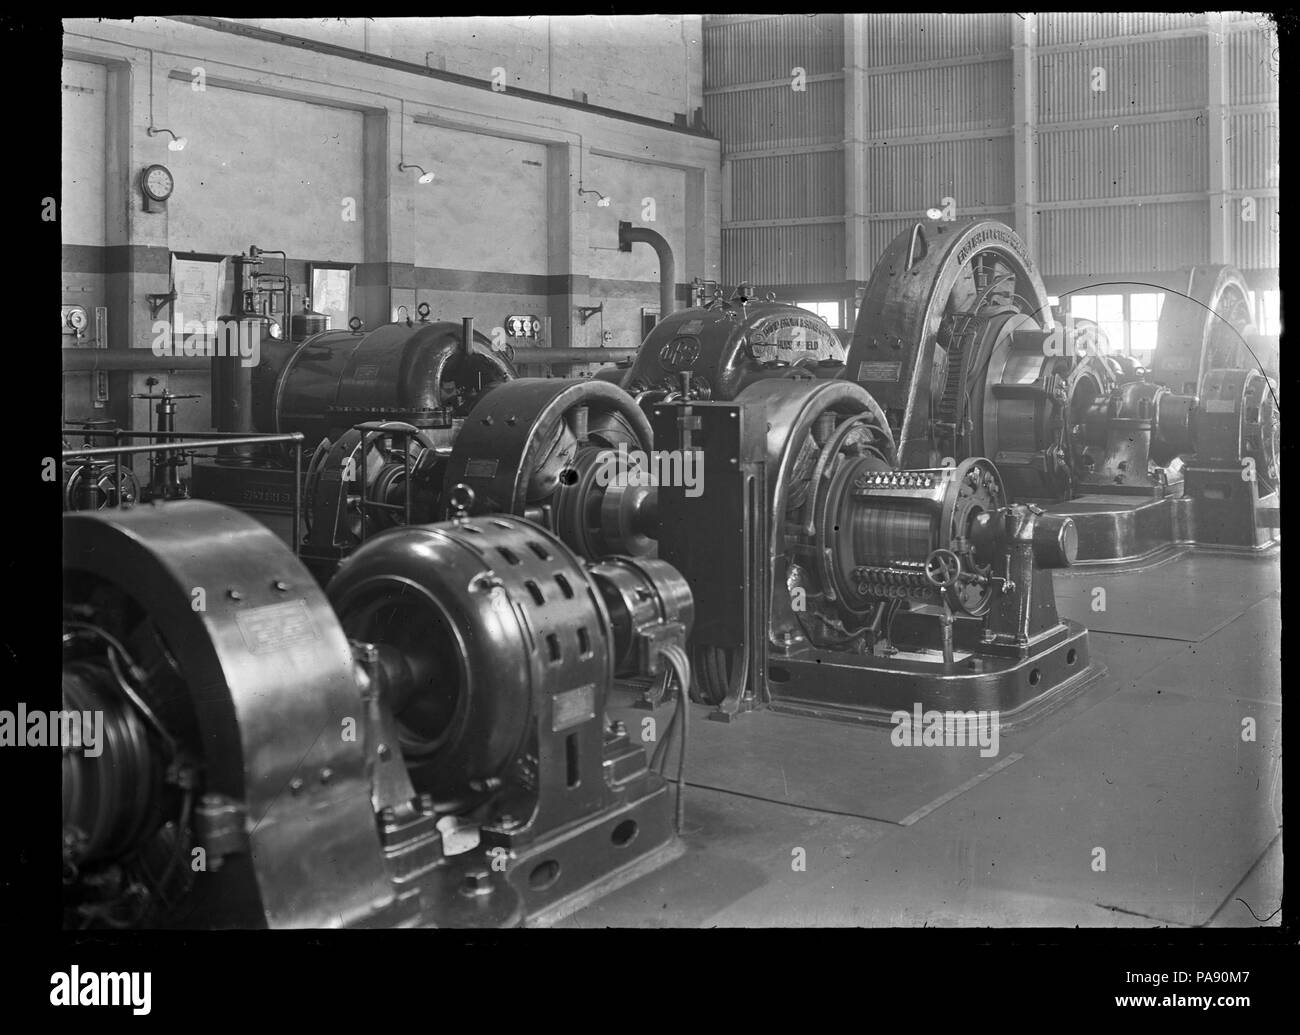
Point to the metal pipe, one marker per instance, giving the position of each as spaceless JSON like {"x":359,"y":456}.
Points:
{"x":81,"y":360}
{"x":121,"y":451}
{"x":629,"y":235}
{"x":127,"y":433}
{"x":534,"y":354}
{"x":297,"y":493}
{"x":467,"y":336}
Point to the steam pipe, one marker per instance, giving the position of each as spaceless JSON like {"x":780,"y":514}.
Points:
{"x":534,"y":354}
{"x":629,"y":235}
{"x":79,"y":360}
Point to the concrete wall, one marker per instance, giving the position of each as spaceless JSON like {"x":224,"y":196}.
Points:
{"x":264,"y":170}
{"x":282,"y":134}
{"x":649,"y":65}
{"x":85,"y":89}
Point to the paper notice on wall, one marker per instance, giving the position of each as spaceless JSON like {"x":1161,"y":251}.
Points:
{"x":198,"y":284}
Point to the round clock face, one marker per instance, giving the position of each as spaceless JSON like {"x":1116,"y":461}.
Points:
{"x":158,"y":182}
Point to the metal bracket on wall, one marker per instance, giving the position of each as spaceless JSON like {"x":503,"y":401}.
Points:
{"x":156,"y":302}
{"x":588,"y":311}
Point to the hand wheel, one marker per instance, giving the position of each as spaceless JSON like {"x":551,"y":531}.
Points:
{"x":942,"y":568}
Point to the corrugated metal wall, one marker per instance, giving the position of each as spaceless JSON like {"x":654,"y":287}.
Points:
{"x":788,"y":186}
{"x":748,"y":49}
{"x":749,"y":102}
{"x":1141,"y":78}
{"x":772,"y":256}
{"x":940,"y":99}
{"x":764,"y":116}
{"x":1076,"y":27}
{"x":894,"y":39}
{"x":1132,"y":238}
{"x":1123,"y":179}
{"x":937,"y":120}
{"x":1141,"y":137}
{"x":1113,"y":160}
{"x":1252,"y":173}
{"x":911,"y":177}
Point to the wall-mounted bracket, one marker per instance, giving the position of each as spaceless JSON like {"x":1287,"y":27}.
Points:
{"x":156,"y":302}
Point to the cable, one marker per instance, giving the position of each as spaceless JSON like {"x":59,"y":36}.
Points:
{"x":679,"y":663}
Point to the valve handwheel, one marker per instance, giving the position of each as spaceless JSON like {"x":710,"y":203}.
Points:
{"x":942,"y":568}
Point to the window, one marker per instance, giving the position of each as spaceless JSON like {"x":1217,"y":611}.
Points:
{"x":828,"y":311}
{"x":331,"y":292}
{"x":1268,"y":312}
{"x":1144,"y":325}
{"x":1131,"y":322}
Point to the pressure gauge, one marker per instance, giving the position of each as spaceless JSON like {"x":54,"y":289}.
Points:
{"x":156,"y":184}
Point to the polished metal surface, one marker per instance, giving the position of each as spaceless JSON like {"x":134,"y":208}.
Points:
{"x":539,"y":447}
{"x":267,"y":672}
{"x":367,"y":769}
{"x":926,"y":321}
{"x":404,"y":371}
{"x":1203,"y":329}
{"x":728,"y":345}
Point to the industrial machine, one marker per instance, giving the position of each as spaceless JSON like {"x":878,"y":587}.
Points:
{"x":728,"y":344}
{"x":929,"y":581}
{"x":957,"y":342}
{"x":427,"y":746}
{"x":97,"y":483}
{"x":819,"y":457}
{"x":322,"y":382}
{"x":539,"y":448}
{"x":830,"y":582}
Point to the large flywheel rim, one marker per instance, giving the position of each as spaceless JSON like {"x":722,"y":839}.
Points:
{"x":1203,"y":329}
{"x":929,"y":303}
{"x":940,"y":266}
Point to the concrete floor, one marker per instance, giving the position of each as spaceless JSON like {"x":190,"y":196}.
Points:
{"x":1150,"y":765}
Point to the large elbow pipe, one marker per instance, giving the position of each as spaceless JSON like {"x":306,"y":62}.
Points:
{"x":629,"y":235}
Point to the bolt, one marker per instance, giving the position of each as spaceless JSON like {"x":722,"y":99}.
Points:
{"x":326,"y":775}
{"x":476,"y":882}
{"x":383,"y":752}
{"x":296,"y":785}
{"x":234,"y":594}
{"x":280,"y":584}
